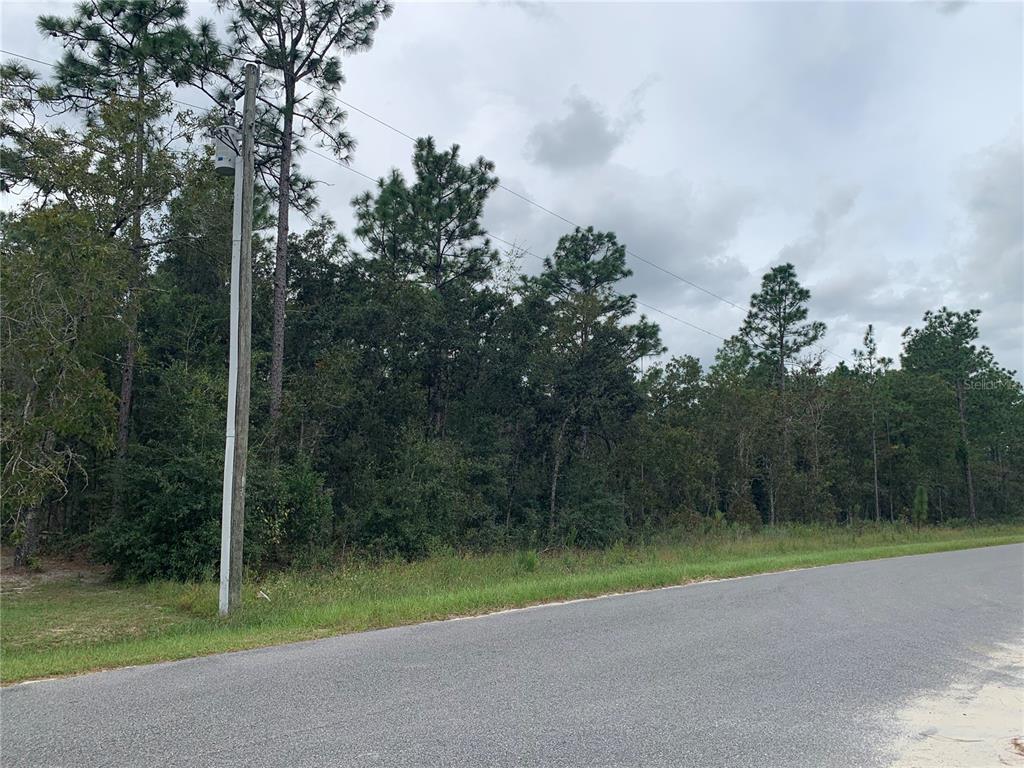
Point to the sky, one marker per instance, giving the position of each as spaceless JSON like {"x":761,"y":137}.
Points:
{"x":876,"y":146}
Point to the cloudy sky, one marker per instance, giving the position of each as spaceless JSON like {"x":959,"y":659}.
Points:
{"x":876,"y":146}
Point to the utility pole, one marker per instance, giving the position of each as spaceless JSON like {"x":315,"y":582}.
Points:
{"x":236,"y":444}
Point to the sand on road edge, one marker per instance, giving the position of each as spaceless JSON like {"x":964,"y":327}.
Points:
{"x":977,"y":722}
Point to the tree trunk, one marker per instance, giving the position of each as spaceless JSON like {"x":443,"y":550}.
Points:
{"x":513,"y":476}
{"x":127,"y":383}
{"x":436,"y":400}
{"x":643,"y":493}
{"x":438,"y":356}
{"x":874,"y":464}
{"x":281,"y":254}
{"x":26,"y":549}
{"x":138,"y":270}
{"x":29,"y":544}
{"x":559,"y":438}
{"x":967,"y":451}
{"x":1005,"y":479}
{"x":124,"y":406}
{"x":782,"y":363}
{"x":892,"y":470}
{"x":782,"y":465}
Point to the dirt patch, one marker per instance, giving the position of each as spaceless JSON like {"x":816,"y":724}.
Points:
{"x":48,"y":569}
{"x":975,"y":723}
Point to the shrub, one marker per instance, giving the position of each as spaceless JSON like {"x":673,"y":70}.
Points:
{"x":433,"y":494}
{"x":743,"y":512}
{"x":169,"y":524}
{"x":598,"y":522}
{"x":919,"y":512}
{"x":289,"y":516}
{"x":527,"y":561}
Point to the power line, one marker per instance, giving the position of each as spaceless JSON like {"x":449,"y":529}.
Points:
{"x":54,"y":66}
{"x":346,"y":166}
{"x":570,"y":222}
{"x":363,"y":112}
{"x":27,"y":58}
{"x":549,"y":211}
{"x":504,"y":188}
{"x":502,"y":240}
{"x":651,"y":307}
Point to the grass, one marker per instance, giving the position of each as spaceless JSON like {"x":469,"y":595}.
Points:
{"x":69,"y":626}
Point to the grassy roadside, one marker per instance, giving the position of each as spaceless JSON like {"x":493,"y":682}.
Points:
{"x":70,"y":626}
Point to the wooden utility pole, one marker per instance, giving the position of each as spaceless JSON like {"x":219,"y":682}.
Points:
{"x":240,"y":364}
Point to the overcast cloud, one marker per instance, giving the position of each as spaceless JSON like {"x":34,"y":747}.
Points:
{"x":876,"y":146}
{"x":585,"y":136}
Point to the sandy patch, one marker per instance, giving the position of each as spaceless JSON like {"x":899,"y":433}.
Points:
{"x":14,"y":580}
{"x":977,"y":722}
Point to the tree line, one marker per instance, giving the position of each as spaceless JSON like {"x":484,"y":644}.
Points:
{"x":412,"y":389}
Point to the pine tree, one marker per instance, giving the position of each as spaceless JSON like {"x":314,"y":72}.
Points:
{"x":945,"y":347}
{"x":776,"y":330}
{"x":430,"y":232}
{"x":298,"y":44}
{"x":124,"y":50}
{"x":585,"y":364}
{"x":776,"y":325}
{"x":870,"y":365}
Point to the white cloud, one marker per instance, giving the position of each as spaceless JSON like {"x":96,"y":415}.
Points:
{"x":835,"y":133}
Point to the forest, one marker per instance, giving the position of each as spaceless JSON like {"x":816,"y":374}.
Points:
{"x":415,"y":386}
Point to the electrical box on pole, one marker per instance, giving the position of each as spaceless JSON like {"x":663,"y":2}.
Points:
{"x":226,"y":145}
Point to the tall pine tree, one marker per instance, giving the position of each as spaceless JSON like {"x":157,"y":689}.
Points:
{"x":133,"y":50}
{"x":298,"y":44}
{"x":776,"y":326}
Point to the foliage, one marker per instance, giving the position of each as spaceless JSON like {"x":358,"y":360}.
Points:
{"x":776,"y":326}
{"x":170,"y":525}
{"x":919,"y":512}
{"x":418,"y":400}
{"x":111,"y":44}
{"x":60,"y":287}
{"x":298,"y":44}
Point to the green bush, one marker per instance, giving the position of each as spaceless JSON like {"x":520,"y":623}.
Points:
{"x":289,"y":515}
{"x":169,"y":524}
{"x":432,"y":495}
{"x":597,"y":522}
{"x":919,"y":511}
{"x":743,"y":512}
{"x":527,"y":561}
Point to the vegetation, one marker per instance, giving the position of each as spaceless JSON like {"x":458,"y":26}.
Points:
{"x":422,"y":395}
{"x":298,"y":45}
{"x":69,"y":626}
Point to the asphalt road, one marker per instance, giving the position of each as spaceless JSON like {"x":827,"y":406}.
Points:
{"x":804,"y":668}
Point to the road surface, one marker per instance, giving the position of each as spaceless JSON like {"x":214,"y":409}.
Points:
{"x":804,"y":668}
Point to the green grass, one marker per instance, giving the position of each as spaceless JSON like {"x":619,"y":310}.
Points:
{"x":71,"y":626}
